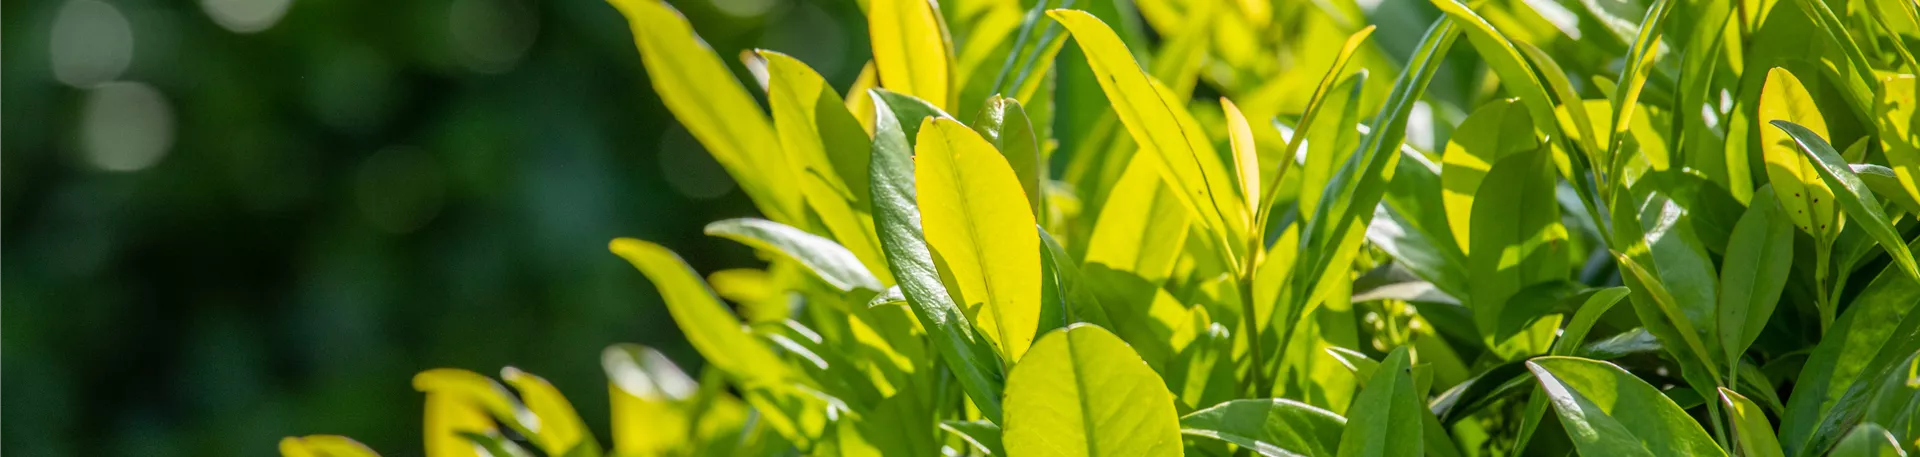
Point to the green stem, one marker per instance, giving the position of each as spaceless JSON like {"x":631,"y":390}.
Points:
{"x":1822,"y":299}
{"x":1256,"y":376}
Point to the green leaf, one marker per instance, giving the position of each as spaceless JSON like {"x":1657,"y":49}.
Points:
{"x":1633,"y":77}
{"x":1386,"y":418}
{"x":1083,"y":392}
{"x":1003,"y":123}
{"x":1246,"y":158}
{"x":1317,"y":172}
{"x":1505,"y":60}
{"x":1142,"y":227}
{"x":982,"y":435}
{"x":1493,"y":132}
{"x":1754,"y":273}
{"x":1077,"y":302}
{"x":1868,"y":440}
{"x":1039,"y":40}
{"x":1876,"y":330}
{"x":1271,"y":427}
{"x":1853,"y":194}
{"x":1807,"y":199}
{"x":697,"y":87}
{"x":972,"y":211}
{"x":1163,"y":127}
{"x":1887,"y":184}
{"x":460,"y":402}
{"x":709,"y":327}
{"x":1329,"y":242}
{"x":896,"y":215}
{"x":1608,"y":411}
{"x":912,"y":51}
{"x":1751,"y":431}
{"x":1517,"y":239}
{"x":826,"y":259}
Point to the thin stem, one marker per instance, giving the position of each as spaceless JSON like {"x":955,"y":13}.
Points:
{"x":1822,"y":299}
{"x":1256,"y":376}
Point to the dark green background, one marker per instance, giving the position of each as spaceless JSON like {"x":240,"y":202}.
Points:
{"x":364,"y":190}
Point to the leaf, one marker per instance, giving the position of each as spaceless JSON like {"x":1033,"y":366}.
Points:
{"x":1272,"y":427}
{"x":1386,"y":418}
{"x":1308,"y":118}
{"x":1033,"y":54}
{"x":896,"y":215}
{"x":1142,"y":227}
{"x":824,"y":258}
{"x":911,"y":50}
{"x":1608,"y":411}
{"x":828,"y":149}
{"x":1806,"y":198}
{"x":647,"y":396}
{"x":1868,"y":440}
{"x":1853,"y":194}
{"x":323,"y":446}
{"x":1877,"y":328}
{"x":1895,"y":110}
{"x":1755,"y":271}
{"x":1079,"y":303}
{"x":459,"y":402}
{"x":1505,"y":60}
{"x":1885,"y":183}
{"x":1493,"y":132}
{"x":1083,"y":392}
{"x":970,"y":204}
{"x":697,"y":87}
{"x":1003,"y":123}
{"x":1246,"y":159}
{"x":1751,"y":431}
{"x":1162,"y":127}
{"x":1329,"y":242}
{"x":1517,"y":239}
{"x":561,"y":432}
{"x":1633,"y":77}
{"x":983,"y":435}
{"x":713,"y":331}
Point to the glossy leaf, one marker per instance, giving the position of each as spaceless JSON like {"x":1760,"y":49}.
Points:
{"x":1004,"y":124}
{"x":1754,"y":273}
{"x":1853,"y":194}
{"x":647,"y":394}
{"x":1270,"y":427}
{"x":702,"y":93}
{"x":713,"y":331}
{"x":1807,"y":199}
{"x":561,"y":432}
{"x":1083,"y":392}
{"x":1517,"y":237}
{"x":824,"y":258}
{"x":897,"y":218}
{"x":1386,"y":419}
{"x":971,"y":207}
{"x":911,"y":50}
{"x":1162,"y":127}
{"x":1868,"y":440}
{"x":1608,"y":411}
{"x":1752,"y":433}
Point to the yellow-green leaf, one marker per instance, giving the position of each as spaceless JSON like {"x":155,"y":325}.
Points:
{"x":1246,"y":159}
{"x":976,"y":219}
{"x":1083,"y":392}
{"x":911,"y":50}
{"x":713,"y":331}
{"x":1807,"y":200}
{"x":459,"y":402}
{"x":646,"y":391}
{"x":1493,"y":132}
{"x":1162,"y":126}
{"x":1142,"y":226}
{"x":560,"y":430}
{"x":828,"y":150}
{"x":1897,"y":106}
{"x":323,"y":446}
{"x":1751,"y":431}
{"x":697,"y":87}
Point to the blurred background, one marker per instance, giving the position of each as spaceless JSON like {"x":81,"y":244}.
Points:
{"x":227,"y":221}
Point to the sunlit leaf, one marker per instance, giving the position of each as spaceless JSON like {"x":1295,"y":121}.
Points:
{"x":825,"y":258}
{"x":1083,"y":392}
{"x":1608,"y":411}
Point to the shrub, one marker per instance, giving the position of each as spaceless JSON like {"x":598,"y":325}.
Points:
{"x":1000,"y":244}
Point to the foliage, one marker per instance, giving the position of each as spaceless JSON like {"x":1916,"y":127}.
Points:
{"x":1270,"y":275}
